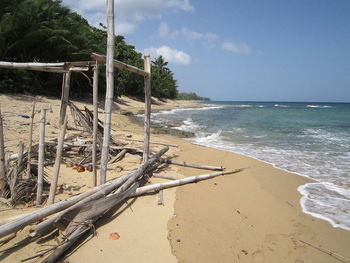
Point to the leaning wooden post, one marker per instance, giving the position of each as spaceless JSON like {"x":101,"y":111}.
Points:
{"x":65,"y":96}
{"x":41,"y":158}
{"x":2,"y":157}
{"x":58,"y":158}
{"x":109,"y":89}
{"x":147,"y":121}
{"x":30,"y":140}
{"x":17,"y":169}
{"x":95,"y":125}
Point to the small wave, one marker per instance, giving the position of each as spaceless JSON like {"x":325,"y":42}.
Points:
{"x":176,"y":110}
{"x":319,"y":106}
{"x":327,"y":202}
{"x":281,"y":106}
{"x":207,"y":139}
{"x":242,"y":106}
{"x":188,"y":125}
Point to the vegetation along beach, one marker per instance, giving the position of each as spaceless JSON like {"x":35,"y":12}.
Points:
{"x":174,"y":131}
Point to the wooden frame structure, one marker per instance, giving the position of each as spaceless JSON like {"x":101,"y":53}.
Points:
{"x":66,"y":68}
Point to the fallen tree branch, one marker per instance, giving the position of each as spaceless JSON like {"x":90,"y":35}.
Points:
{"x":198,"y":166}
{"x":187,"y":180}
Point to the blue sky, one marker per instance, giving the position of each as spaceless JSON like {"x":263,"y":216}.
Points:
{"x":259,"y":50}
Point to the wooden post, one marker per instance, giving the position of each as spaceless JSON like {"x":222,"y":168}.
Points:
{"x":109,"y":89}
{"x":16,"y":173}
{"x":2,"y":157}
{"x":41,"y":158}
{"x":30,"y":140}
{"x":147,"y":121}
{"x":65,"y":96}
{"x":58,"y":158}
{"x":95,"y":125}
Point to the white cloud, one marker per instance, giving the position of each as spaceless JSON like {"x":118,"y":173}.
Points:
{"x":239,"y":48}
{"x":125,"y":28}
{"x":210,"y":36}
{"x":190,"y":35}
{"x":170,"y":55}
{"x":182,"y":4}
{"x":166,"y":33}
{"x":127,"y":12}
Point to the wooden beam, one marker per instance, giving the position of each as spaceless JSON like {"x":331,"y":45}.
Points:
{"x":109,"y":90}
{"x":27,"y":65}
{"x":118,"y":64}
{"x":147,"y":118}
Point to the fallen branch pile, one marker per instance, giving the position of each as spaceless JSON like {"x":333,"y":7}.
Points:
{"x":76,"y":216}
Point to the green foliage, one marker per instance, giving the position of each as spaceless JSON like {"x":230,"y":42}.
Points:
{"x":47,"y":31}
{"x":190,"y":96}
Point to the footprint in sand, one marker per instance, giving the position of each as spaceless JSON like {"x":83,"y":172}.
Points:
{"x":258,"y":256}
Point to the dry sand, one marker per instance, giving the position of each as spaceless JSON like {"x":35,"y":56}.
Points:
{"x":253,"y":216}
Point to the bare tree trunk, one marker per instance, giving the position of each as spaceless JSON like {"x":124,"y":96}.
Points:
{"x":95,"y":125}
{"x":147,"y":122}
{"x":41,"y":158}
{"x":109,"y":89}
{"x":30,"y":140}
{"x":58,"y":158}
{"x":2,"y":157}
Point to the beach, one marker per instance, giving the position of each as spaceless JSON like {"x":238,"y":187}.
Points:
{"x":252,"y":216}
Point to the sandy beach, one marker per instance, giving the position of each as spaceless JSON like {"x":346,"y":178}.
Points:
{"x":252,"y":216}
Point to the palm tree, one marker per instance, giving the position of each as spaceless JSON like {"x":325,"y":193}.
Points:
{"x":160,"y":64}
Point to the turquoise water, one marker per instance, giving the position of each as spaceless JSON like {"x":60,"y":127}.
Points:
{"x":311,"y":139}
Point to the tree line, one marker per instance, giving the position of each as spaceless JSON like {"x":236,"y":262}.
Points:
{"x":48,"y":31}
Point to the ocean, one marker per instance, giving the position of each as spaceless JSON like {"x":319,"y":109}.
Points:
{"x":310,"y":139}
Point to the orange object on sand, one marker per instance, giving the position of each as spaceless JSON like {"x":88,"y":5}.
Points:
{"x":114,"y":236}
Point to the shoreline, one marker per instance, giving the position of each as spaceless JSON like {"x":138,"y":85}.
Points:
{"x":253,"y":216}
{"x":335,"y":222}
{"x":275,"y":239}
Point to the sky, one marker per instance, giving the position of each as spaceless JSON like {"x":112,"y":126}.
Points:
{"x":241,"y":50}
